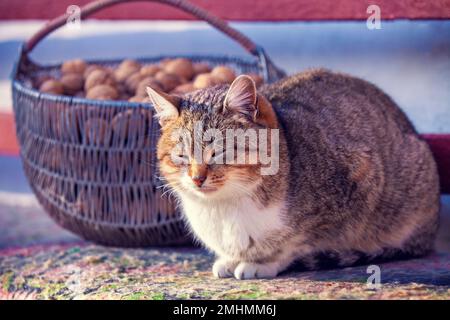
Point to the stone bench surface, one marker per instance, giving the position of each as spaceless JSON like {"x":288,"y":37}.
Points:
{"x":75,"y":271}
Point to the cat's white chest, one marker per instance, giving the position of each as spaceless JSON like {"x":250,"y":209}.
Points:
{"x":230,"y":227}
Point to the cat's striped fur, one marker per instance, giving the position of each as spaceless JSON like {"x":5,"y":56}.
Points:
{"x":355,"y":182}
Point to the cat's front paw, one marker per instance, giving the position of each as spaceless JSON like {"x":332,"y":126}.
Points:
{"x":223,"y":268}
{"x":248,"y":270}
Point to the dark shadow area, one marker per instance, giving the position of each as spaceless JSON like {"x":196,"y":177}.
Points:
{"x":433,"y":269}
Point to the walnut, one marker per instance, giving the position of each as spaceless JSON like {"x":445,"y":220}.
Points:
{"x":74,"y":66}
{"x":181,"y":67}
{"x":129,"y":63}
{"x":147,"y":82}
{"x":204,"y":80}
{"x":257,"y":78}
{"x":72,"y":83}
{"x":150,"y":70}
{"x":123,"y":73}
{"x":125,"y":69}
{"x":52,"y":86}
{"x":39,"y":80}
{"x":168,"y":81}
{"x":91,"y":68}
{"x":223,"y":74}
{"x":201,"y":67}
{"x":184,"y":88}
{"x":164,"y":62}
{"x":132,"y":82}
{"x":102,"y":92}
{"x":137,"y":99}
{"x":98,"y":77}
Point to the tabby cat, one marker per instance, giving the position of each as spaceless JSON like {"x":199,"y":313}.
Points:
{"x":353,"y":182}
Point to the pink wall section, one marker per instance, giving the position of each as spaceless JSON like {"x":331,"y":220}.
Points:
{"x":239,"y":10}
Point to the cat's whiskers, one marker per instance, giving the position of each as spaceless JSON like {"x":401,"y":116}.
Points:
{"x":170,"y":189}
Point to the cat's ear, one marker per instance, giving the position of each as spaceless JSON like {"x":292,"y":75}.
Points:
{"x":241,"y":96}
{"x":166,"y":106}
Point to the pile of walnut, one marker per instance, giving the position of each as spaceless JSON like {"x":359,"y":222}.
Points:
{"x":128,"y":81}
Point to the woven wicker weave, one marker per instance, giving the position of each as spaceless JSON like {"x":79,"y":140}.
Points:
{"x":92,"y":164}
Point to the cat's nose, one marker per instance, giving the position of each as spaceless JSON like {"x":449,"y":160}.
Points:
{"x":198,"y":180}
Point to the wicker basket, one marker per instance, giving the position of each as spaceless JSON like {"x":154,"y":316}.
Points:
{"x":92,"y":164}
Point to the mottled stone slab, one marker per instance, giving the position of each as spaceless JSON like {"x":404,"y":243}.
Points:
{"x":94,"y":272}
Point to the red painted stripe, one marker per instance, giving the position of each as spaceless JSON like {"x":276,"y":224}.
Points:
{"x":439,"y":143}
{"x":440,"y":146}
{"x":8,"y":141}
{"x":242,"y":10}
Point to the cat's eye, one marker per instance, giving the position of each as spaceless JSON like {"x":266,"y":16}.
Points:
{"x":180,"y":159}
{"x":212,"y":160}
{"x":217,"y":157}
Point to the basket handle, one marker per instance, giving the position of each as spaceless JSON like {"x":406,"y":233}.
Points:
{"x":270,"y":71}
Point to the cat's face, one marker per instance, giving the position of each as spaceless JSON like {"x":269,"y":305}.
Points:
{"x":207,"y":146}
